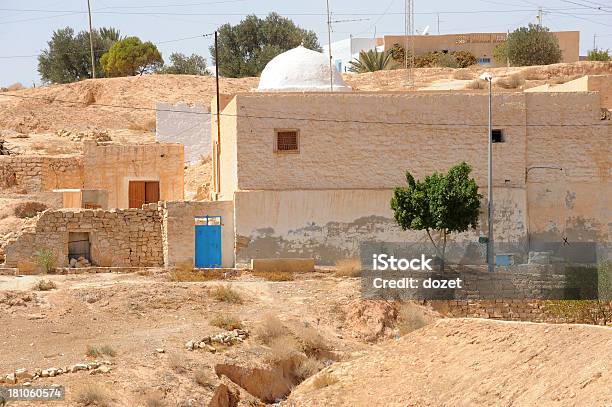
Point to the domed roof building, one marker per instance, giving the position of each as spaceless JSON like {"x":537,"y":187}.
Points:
{"x":300,"y":70}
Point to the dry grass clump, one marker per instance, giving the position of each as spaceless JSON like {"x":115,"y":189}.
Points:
{"x":533,"y":74}
{"x":270,"y":328}
{"x":45,"y":285}
{"x":202,"y":378}
{"x":312,"y":343}
{"x":511,"y":82}
{"x":410,"y":318}
{"x":477,"y":84}
{"x":348,"y":268}
{"x":177,"y":363}
{"x":226,"y":322}
{"x":93,"y":395}
{"x":225,"y":293}
{"x":29,"y":209}
{"x":308,"y":367}
{"x":154,"y":400}
{"x":275,"y":275}
{"x":94,"y":352}
{"x":148,"y":125}
{"x":324,"y":380}
{"x":12,"y":88}
{"x":462,"y":74}
{"x":191,"y":276}
{"x":283,"y":348}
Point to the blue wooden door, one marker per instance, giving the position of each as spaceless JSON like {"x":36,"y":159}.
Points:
{"x":208,"y":242}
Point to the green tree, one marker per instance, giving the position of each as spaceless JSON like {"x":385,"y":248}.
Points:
{"x":372,"y":61}
{"x":184,"y":65}
{"x":500,"y":53}
{"x":130,"y":56}
{"x":532,"y":45}
{"x":246,"y":48}
{"x":442,"y":203}
{"x":68,"y":59}
{"x":598,"y":55}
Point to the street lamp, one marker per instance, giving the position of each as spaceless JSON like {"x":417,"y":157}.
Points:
{"x":490,"y":251}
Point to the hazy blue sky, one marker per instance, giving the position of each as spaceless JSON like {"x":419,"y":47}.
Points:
{"x":26,"y":25}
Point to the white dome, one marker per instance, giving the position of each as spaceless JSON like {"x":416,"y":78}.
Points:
{"x":300,"y":70}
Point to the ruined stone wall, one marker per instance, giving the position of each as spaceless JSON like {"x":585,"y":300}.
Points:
{"x":118,"y":238}
{"x":179,"y":230}
{"x":39,"y":173}
{"x":112,"y":167}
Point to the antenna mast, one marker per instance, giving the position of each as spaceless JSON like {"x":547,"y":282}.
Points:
{"x":331,"y":71}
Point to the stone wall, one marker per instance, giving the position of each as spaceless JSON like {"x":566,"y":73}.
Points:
{"x":118,"y":238}
{"x":39,"y":173}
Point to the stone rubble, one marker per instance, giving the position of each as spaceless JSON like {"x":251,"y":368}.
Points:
{"x":24,"y":376}
{"x":96,"y":135}
{"x":227,"y":338}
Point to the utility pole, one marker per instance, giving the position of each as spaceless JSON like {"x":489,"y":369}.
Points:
{"x":438,"y":23}
{"x":91,"y":47}
{"x":594,"y":46}
{"x":331,"y":71}
{"x":490,"y":248}
{"x":409,"y":31}
{"x":218,"y":141}
{"x":540,"y":16}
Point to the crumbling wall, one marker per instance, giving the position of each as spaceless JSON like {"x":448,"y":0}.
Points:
{"x":331,"y":225}
{"x":179,"y":230}
{"x":185,"y":124}
{"x":118,"y":238}
{"x":40,"y":173}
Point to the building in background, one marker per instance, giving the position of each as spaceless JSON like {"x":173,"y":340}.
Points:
{"x":344,"y":51}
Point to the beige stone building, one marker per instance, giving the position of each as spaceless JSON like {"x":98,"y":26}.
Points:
{"x":479,"y":44}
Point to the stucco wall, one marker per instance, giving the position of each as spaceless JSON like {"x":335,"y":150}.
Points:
{"x":111,"y":167}
{"x":228,"y":148}
{"x":187,"y":125}
{"x":179,"y":230}
{"x":330,"y":225}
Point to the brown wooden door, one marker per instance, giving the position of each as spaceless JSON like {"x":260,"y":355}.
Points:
{"x":151,"y":191}
{"x":137,"y":193}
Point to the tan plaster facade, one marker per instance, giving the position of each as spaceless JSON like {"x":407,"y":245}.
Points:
{"x":479,"y":44}
{"x":333,"y":196}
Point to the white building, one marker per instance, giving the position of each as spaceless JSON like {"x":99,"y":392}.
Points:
{"x":344,"y":51}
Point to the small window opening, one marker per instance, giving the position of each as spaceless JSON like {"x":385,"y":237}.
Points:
{"x":497,"y":136}
{"x":287,"y":141}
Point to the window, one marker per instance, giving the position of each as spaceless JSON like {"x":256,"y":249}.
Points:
{"x":287,"y":141}
{"x":484,"y":61}
{"x":497,"y":135}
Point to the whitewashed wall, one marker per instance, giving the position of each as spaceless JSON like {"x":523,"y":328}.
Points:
{"x":185,"y":124}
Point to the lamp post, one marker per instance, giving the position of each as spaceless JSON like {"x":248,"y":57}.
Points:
{"x":490,"y":250}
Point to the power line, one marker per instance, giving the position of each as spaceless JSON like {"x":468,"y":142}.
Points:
{"x":308,"y":119}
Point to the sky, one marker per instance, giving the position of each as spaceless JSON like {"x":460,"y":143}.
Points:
{"x":27,"y":25}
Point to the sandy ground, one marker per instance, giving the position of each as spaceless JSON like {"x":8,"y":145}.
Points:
{"x":472,"y":362}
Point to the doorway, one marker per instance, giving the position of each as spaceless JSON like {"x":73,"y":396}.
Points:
{"x":79,"y":246}
{"x":208,"y":242}
{"x":143,"y":192}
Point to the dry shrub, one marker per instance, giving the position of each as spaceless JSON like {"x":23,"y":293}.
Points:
{"x":477,"y":84}
{"x":27,"y":267}
{"x":225,"y":293}
{"x":94,"y":352}
{"x":147,"y":125}
{"x":511,"y":82}
{"x":312,"y":342}
{"x":270,"y":328}
{"x":204,"y":379}
{"x":462,"y":74}
{"x":533,"y":74}
{"x":29,"y":209}
{"x":12,"y":88}
{"x":308,"y":367}
{"x":282,"y":348}
{"x":226,"y":322}
{"x":410,"y":318}
{"x":185,"y":273}
{"x":348,"y":268}
{"x":93,"y":395}
{"x":275,"y":275}
{"x":177,"y":363}
{"x":323,"y":380}
{"x":45,"y":285}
